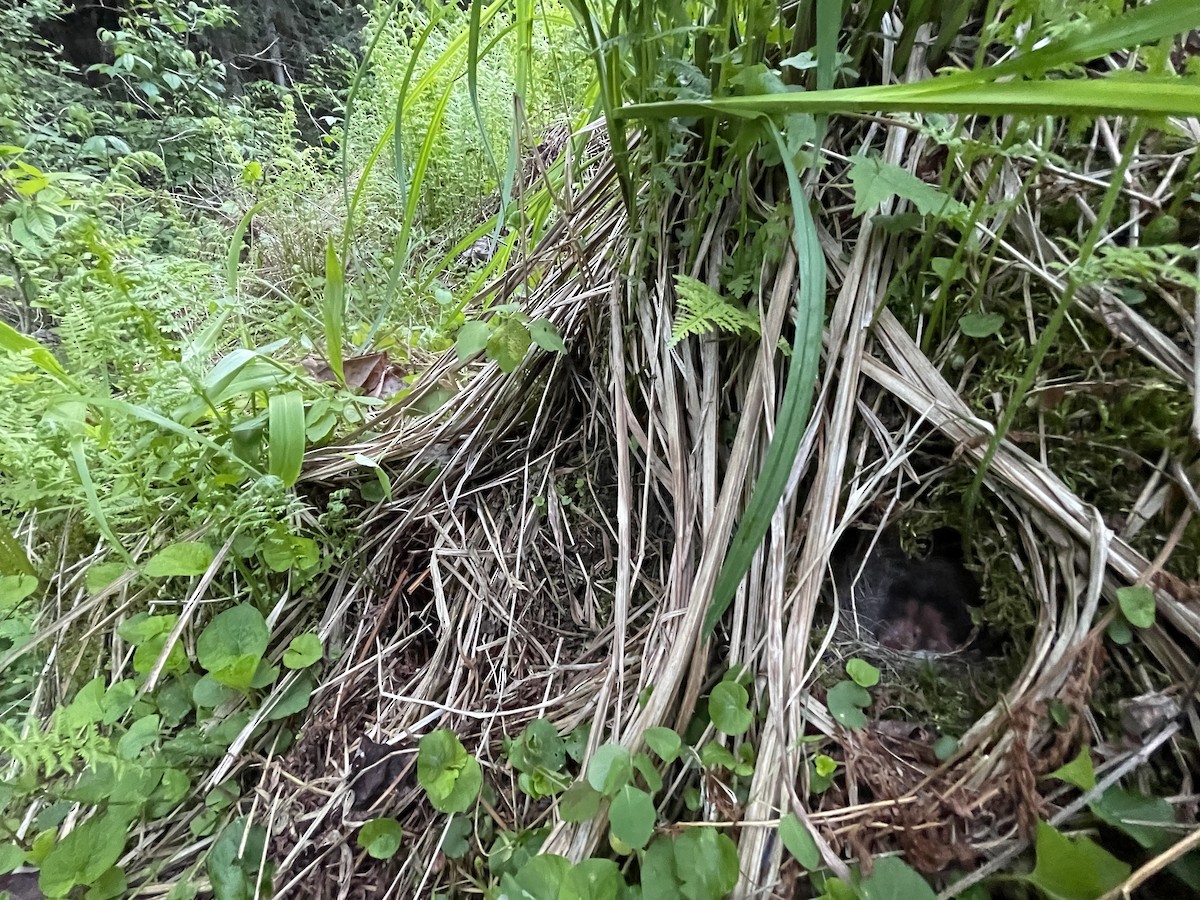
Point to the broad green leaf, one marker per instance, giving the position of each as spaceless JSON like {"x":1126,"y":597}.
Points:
{"x":508,"y":344}
{"x":1119,"y":632}
{"x":1137,"y":604}
{"x":232,"y":644}
{"x":799,"y":842}
{"x":13,"y":560}
{"x":645,"y":767}
{"x":706,"y":862}
{"x":85,"y":854}
{"x":143,"y":627}
{"x":846,"y":701}
{"x":457,"y":839}
{"x":11,"y":857}
{"x":664,"y":742}
{"x":380,"y":838}
{"x":472,"y":338}
{"x":729,"y":708}
{"x":285,"y":416}
{"x":451,"y":776}
{"x":110,"y":885}
{"x":304,"y":650}
{"x":876,"y":181}
{"x":862,"y":673}
{"x":186,"y":558}
{"x":632,"y":816}
{"x":609,"y":769}
{"x":233,"y":862}
{"x":86,"y":707}
{"x":539,"y":745}
{"x":540,"y":878}
{"x":579,"y":802}
{"x":593,"y":879}
{"x":1145,"y":819}
{"x":1076,"y":869}
{"x":1078,"y":771}
{"x":981,"y":325}
{"x":295,"y":699}
{"x":208,"y":693}
{"x":893,"y":879}
{"x":14,"y":589}
{"x":546,"y":336}
{"x":141,"y":734}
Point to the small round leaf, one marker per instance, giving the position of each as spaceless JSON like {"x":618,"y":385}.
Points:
{"x":729,"y":708}
{"x":380,"y":838}
{"x":632,"y":817}
{"x":304,"y":650}
{"x":1137,"y":604}
{"x":981,"y":325}
{"x":862,"y":672}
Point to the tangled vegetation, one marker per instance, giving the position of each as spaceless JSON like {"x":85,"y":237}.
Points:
{"x":421,"y":479}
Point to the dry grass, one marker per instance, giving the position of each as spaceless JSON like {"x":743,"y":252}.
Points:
{"x":472,"y":607}
{"x":469,"y":608}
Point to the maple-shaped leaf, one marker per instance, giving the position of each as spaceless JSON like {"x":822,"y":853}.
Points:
{"x":508,"y":344}
{"x":876,"y":181}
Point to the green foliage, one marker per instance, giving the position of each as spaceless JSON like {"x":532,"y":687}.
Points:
{"x":450,"y":776}
{"x":799,"y":841}
{"x":380,"y":838}
{"x":506,"y":337}
{"x":236,"y":864}
{"x":877,"y":182}
{"x":1073,"y":869}
{"x":539,"y":754}
{"x":705,"y":311}
{"x":1137,"y":605}
{"x":862,"y":673}
{"x":86,"y":854}
{"x":304,"y":650}
{"x":729,"y":709}
{"x":846,"y":701}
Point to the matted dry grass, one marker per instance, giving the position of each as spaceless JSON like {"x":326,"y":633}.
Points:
{"x":471,"y":607}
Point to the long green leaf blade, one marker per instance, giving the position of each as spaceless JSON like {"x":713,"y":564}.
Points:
{"x":285,"y":423}
{"x":333,"y":310}
{"x":1132,"y":93}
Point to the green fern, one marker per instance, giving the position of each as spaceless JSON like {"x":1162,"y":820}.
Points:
{"x":706,"y":311}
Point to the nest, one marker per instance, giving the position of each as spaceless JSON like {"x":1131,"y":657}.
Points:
{"x":552,"y":541}
{"x":554,"y":534}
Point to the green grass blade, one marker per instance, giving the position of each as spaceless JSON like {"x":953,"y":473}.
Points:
{"x":233,"y":259}
{"x":1141,"y":25}
{"x":1129,"y":93}
{"x":79,"y":459}
{"x":352,"y":95}
{"x":473,"y":86}
{"x":420,"y":167}
{"x":15,"y":342}
{"x":1050,"y":331}
{"x":829,"y":23}
{"x":606,"y":56}
{"x":285,"y":427}
{"x":795,"y":405}
{"x":333,"y":310}
{"x":147,"y":415}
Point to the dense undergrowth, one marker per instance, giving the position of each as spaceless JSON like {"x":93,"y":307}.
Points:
{"x":200,"y":286}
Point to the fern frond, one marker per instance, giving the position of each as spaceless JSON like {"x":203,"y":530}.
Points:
{"x":707,"y":311}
